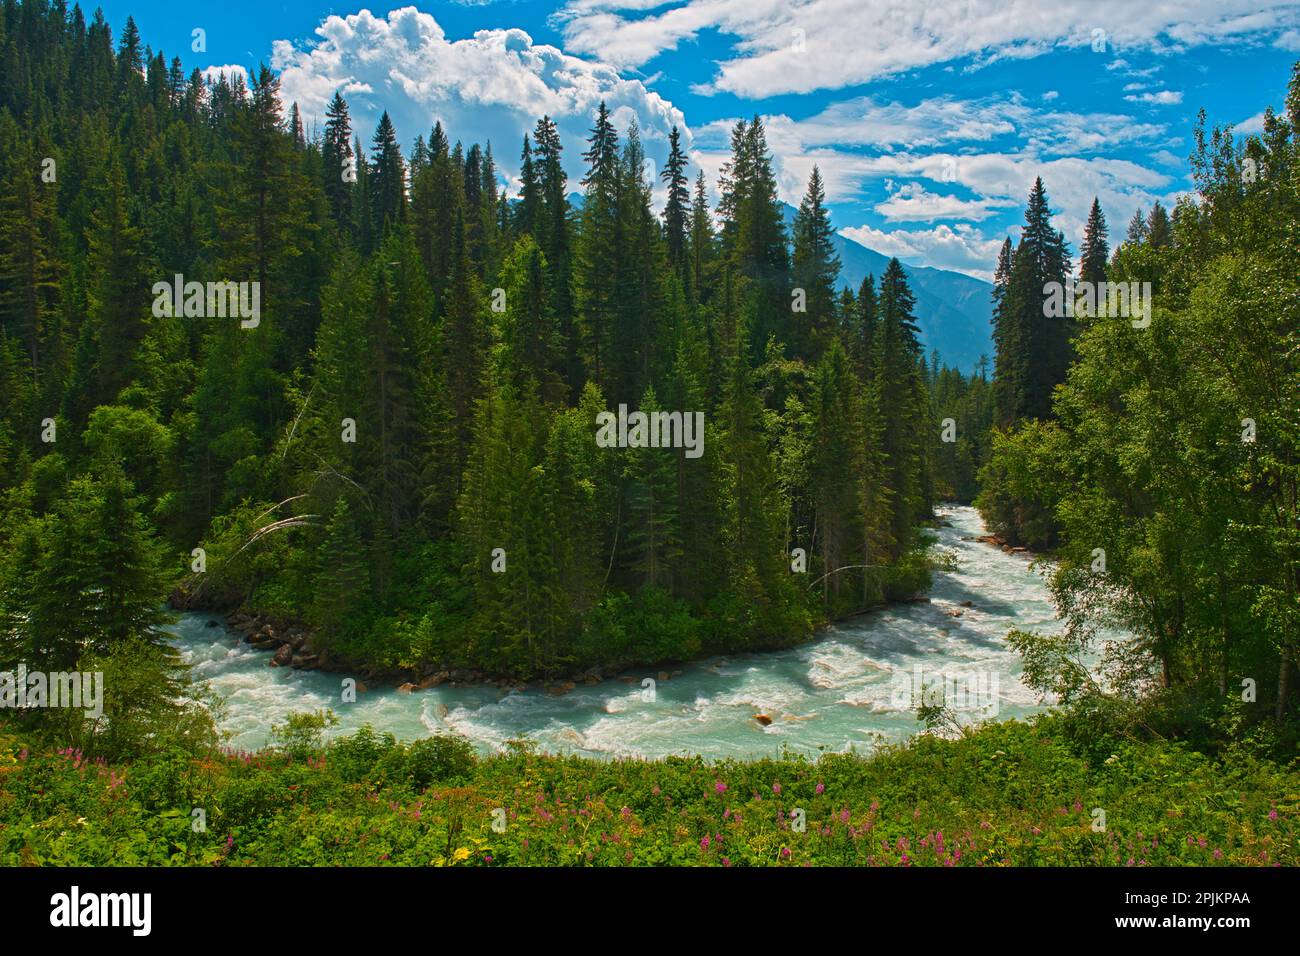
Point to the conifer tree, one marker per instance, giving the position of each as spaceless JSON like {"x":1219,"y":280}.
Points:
{"x":336,"y":152}
{"x":676,"y":205}
{"x":1094,"y":254}
{"x":815,"y":270}
{"x":388,"y":182}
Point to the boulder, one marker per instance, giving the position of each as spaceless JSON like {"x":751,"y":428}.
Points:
{"x":763,"y":719}
{"x":405,"y":688}
{"x":283,"y":657}
{"x":433,"y":680}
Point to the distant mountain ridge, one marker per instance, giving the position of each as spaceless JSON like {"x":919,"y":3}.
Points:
{"x":954,"y":311}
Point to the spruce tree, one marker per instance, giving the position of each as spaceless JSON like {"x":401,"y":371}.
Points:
{"x":676,"y":205}
{"x":1094,"y":254}
{"x":816,"y":269}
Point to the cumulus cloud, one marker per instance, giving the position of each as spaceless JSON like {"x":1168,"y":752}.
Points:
{"x":796,"y":46}
{"x":492,"y":86}
{"x":230,"y":70}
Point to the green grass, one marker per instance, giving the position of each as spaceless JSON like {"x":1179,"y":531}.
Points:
{"x":1008,"y":794}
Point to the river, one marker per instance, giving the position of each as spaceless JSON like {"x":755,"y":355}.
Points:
{"x":850,"y":687}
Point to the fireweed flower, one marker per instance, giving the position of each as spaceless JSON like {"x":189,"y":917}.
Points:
{"x":776,"y":788}
{"x":820,"y":788}
{"x":719,"y":788}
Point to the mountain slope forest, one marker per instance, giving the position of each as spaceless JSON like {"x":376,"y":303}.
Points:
{"x":398,"y":450}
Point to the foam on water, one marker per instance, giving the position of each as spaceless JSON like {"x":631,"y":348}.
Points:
{"x":829,"y":695}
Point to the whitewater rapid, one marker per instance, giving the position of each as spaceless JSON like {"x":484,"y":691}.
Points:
{"x":848,"y":688}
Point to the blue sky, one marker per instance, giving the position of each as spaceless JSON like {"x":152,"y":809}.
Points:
{"x":928,"y":118}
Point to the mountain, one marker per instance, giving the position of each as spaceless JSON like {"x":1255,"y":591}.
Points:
{"x":953,"y":310}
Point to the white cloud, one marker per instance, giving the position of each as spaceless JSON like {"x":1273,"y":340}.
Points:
{"x":229,"y":70}
{"x":1159,"y":98}
{"x":1253,"y":124}
{"x":864,"y":121}
{"x":492,"y":86}
{"x":796,"y":46}
{"x":912,"y":202}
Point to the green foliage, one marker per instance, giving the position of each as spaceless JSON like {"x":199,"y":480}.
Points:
{"x":1167,"y":480}
{"x":1018,"y":485}
{"x":302,"y":734}
{"x":1012,"y":794}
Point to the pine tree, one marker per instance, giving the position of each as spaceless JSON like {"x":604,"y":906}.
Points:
{"x":1035,"y":347}
{"x":831,"y":474}
{"x":1094,"y":254}
{"x":897,"y":376}
{"x":554,"y":239}
{"x":1159,"y":233}
{"x":597,"y":287}
{"x":816,"y":270}
{"x":702,"y":240}
{"x":1009,"y":377}
{"x":753,"y":232}
{"x":28,"y":280}
{"x":528,"y":214}
{"x":342,"y":581}
{"x":388,"y":184}
{"x":337,"y":155}
{"x":87,"y":599}
{"x":675,"y":206}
